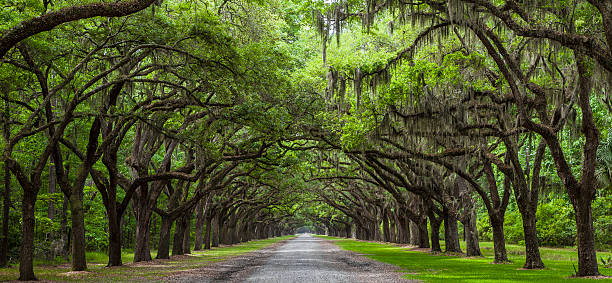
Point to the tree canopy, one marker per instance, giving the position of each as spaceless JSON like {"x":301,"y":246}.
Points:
{"x":152,"y":124}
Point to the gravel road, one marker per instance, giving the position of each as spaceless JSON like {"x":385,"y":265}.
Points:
{"x":303,"y":259}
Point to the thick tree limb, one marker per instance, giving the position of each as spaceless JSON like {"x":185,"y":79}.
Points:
{"x":49,"y":21}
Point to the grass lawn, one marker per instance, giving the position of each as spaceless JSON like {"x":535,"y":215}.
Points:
{"x":147,"y":271}
{"x":443,"y":268}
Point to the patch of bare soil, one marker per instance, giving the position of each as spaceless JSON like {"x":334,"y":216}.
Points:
{"x":423,"y":250}
{"x":39,"y":281}
{"x":591,"y":277}
{"x":62,"y":265}
{"x":152,"y":263}
{"x":74,"y":273}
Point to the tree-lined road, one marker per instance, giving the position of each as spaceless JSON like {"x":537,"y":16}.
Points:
{"x":310,"y":259}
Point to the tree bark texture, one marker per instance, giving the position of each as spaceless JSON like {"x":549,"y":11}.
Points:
{"x":451,"y":233}
{"x":163,"y":250}
{"x":472,"y":244}
{"x":79,"y":262}
{"x":6,"y":204}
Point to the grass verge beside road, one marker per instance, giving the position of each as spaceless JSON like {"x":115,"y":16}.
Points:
{"x":146,"y":271}
{"x":445,"y":268}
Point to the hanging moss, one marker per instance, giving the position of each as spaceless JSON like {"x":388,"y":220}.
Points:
{"x":358,"y":86}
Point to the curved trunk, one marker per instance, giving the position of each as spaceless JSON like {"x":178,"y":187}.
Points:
{"x":584,"y":193}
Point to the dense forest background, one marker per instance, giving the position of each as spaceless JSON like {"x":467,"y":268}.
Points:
{"x":169,"y":125}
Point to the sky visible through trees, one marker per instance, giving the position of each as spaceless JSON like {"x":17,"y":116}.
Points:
{"x":162,"y":126}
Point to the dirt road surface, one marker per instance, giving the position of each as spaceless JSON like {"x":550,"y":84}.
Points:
{"x":302,"y":259}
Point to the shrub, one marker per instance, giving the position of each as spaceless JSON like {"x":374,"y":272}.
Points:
{"x":556,"y":225}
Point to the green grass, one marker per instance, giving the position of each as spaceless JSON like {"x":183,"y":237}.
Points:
{"x":148,"y":271}
{"x":442,"y":268}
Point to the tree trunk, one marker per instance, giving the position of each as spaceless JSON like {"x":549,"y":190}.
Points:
{"x":179,"y":236}
{"x":397,"y":227}
{"x":258,"y":230}
{"x":7,"y":192}
{"x":224,"y":233}
{"x":233,"y":231}
{"x":472,"y":244}
{"x":349,"y":230}
{"x":423,"y":233}
{"x":64,"y":227}
{"x":532,"y":250}
{"x":79,"y":262}
{"x":243,"y":232}
{"x":587,"y":257}
{"x":451,"y":232}
{"x":187,"y":233}
{"x":414,"y":234}
{"x":5,"y":217}
{"x":385,"y":223}
{"x":52,"y":184}
{"x":377,"y":233}
{"x":199,"y":224}
{"x":142,"y":251}
{"x":114,"y":238}
{"x":215,"y":231}
{"x":404,"y":225}
{"x":207,"y":233}
{"x":251,"y":231}
{"x":499,"y":241}
{"x":392,"y":227}
{"x":435,"y":232}
{"x":372,"y":231}
{"x":163,"y":250}
{"x":26,"y":257}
